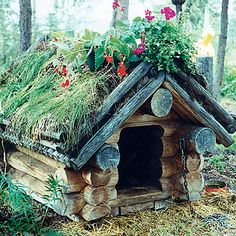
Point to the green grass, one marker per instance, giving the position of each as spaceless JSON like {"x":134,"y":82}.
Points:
{"x":33,"y":99}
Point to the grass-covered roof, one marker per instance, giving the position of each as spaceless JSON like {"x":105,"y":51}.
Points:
{"x":58,"y":85}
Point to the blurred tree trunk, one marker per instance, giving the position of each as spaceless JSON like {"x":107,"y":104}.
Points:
{"x":25,"y":24}
{"x":120,"y":13}
{"x":221,"y":49}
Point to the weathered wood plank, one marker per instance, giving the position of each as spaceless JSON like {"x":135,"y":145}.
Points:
{"x":117,"y":119}
{"x":221,"y":114}
{"x":47,"y":160}
{"x":125,"y":210}
{"x":198,"y":111}
{"x":31,"y":166}
{"x":136,"y":196}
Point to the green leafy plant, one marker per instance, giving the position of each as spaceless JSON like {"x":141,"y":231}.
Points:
{"x":229,"y":83}
{"x":218,"y":162}
{"x":19,"y":213}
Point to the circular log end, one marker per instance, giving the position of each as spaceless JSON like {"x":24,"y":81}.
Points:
{"x":161,"y":102}
{"x":205,"y":141}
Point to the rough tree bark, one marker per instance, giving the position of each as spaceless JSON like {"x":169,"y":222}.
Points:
{"x":25,"y":24}
{"x":120,"y":14}
{"x":221,"y":48}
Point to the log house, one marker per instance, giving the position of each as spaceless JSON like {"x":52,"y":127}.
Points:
{"x":132,"y":161}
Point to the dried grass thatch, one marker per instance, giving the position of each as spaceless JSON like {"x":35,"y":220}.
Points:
{"x":218,"y":211}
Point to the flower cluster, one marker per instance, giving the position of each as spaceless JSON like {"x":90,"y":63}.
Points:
{"x":148,"y":15}
{"x":65,"y":84}
{"x":122,"y":69}
{"x":168,"y":12}
{"x":116,"y":5}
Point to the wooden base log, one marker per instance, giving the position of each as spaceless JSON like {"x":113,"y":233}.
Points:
{"x":30,"y":165}
{"x":96,"y":177}
{"x":28,"y":182}
{"x":195,"y":181}
{"x":96,"y":196}
{"x":65,"y":204}
{"x":198,"y":139}
{"x":46,"y":160}
{"x":72,"y":180}
{"x":168,"y":167}
{"x":125,"y":210}
{"x":169,"y":147}
{"x":161,"y":102}
{"x":194,"y":162}
{"x":91,"y":213}
{"x":107,"y":157}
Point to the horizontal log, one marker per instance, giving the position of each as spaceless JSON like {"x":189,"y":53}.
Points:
{"x":59,"y":147}
{"x":161,"y":102}
{"x":95,"y":196}
{"x":197,"y":111}
{"x":28,"y":182}
{"x":114,"y":178}
{"x":169,"y":126}
{"x":65,"y":204}
{"x":107,"y":157}
{"x":169,"y":147}
{"x":135,"y":196}
{"x":220,"y":113}
{"x":158,"y":205}
{"x":194,"y":161}
{"x":30,"y":165}
{"x":47,"y":160}
{"x":195,"y":181}
{"x":168,"y":167}
{"x":125,"y":210}
{"x":96,"y":177}
{"x":71,"y":179}
{"x":198,"y":139}
{"x":90,"y":213}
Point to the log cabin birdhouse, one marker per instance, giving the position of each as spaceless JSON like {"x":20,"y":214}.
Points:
{"x":146,"y":139}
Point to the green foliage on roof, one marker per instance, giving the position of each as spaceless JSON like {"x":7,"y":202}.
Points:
{"x":59,"y":85}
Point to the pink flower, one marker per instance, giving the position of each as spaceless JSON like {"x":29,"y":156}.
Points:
{"x":122,"y":8}
{"x":149,"y":18}
{"x":115,"y":5}
{"x":148,"y":15}
{"x":168,"y":12}
{"x":139,"y":50}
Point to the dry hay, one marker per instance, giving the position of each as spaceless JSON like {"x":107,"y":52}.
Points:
{"x":175,"y":220}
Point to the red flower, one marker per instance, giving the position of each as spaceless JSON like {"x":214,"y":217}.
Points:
{"x":115,"y":5}
{"x":168,"y":12}
{"x":122,"y":8}
{"x":148,"y":15}
{"x":64,"y":71}
{"x":122,"y":69}
{"x":109,"y":59}
{"x":65,"y":84}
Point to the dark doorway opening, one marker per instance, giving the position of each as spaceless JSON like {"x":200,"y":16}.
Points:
{"x":140,"y":150}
